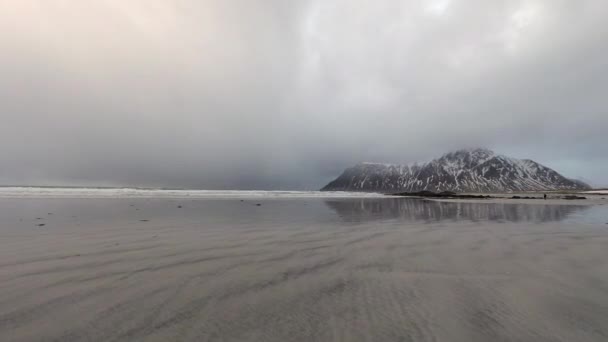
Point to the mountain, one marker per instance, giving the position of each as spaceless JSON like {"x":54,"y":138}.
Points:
{"x":473,"y":170}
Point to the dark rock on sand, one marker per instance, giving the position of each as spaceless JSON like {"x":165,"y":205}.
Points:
{"x":431,"y":194}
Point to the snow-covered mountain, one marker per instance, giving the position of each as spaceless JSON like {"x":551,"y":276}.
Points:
{"x":474,"y":170}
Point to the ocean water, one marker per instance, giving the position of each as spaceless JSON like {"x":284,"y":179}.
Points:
{"x":82,"y":192}
{"x":284,"y":267}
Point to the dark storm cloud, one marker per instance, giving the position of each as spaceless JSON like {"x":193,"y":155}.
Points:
{"x":284,"y":94}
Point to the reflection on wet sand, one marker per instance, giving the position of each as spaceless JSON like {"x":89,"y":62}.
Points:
{"x":366,"y":209}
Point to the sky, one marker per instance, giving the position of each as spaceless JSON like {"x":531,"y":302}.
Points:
{"x":275,"y":94}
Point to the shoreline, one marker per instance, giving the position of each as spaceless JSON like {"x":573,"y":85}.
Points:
{"x":553,"y":198}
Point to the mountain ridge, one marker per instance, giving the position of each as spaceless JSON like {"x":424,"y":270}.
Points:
{"x":464,"y":170}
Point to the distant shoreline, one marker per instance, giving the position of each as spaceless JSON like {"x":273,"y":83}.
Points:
{"x":530,"y":197}
{"x":592,"y":196}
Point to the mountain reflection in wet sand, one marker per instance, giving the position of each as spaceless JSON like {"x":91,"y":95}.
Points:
{"x":428,"y":210}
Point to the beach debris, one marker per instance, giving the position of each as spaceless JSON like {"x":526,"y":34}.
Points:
{"x":144,"y":220}
{"x":179,"y":206}
{"x":258,"y":204}
{"x":41,"y":225}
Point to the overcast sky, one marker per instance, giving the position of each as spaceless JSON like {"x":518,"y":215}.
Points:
{"x":285,"y":94}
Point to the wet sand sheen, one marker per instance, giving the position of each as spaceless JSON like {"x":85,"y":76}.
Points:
{"x":300,"y":270}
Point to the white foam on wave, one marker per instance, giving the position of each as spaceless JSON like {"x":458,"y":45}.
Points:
{"x":44,"y":192}
{"x":596,"y":192}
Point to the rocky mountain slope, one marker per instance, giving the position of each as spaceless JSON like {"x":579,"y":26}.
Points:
{"x":475,"y":170}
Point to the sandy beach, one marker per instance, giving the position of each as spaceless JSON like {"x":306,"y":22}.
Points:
{"x":302,"y":269}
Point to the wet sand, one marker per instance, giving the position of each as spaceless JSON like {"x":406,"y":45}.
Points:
{"x":302,"y":270}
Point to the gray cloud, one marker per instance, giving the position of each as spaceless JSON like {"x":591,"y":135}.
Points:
{"x":274,"y":94}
